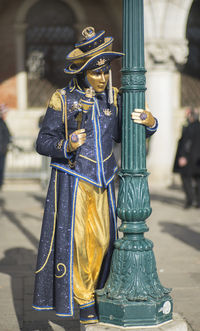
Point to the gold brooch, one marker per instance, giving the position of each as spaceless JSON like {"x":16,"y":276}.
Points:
{"x":88,"y":32}
{"x":76,"y":105}
{"x":107,"y":112}
{"x":101,"y":62}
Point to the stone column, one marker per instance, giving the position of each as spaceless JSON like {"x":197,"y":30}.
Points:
{"x":163,"y":98}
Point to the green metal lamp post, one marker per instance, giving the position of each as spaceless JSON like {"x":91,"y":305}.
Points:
{"x":133,"y":294}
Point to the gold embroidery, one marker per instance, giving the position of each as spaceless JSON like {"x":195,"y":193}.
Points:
{"x":64,"y":269}
{"x":65,"y":119}
{"x":74,"y":173}
{"x":59,"y":144}
{"x":87,"y":158}
{"x":91,"y":321}
{"x":107,"y":112}
{"x":42,"y":308}
{"x":108,"y":157}
{"x":101,"y":62}
{"x":71,"y":164}
{"x":55,"y":101}
{"x":54,"y":225}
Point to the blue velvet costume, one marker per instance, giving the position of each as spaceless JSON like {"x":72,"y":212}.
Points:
{"x":93,"y":162}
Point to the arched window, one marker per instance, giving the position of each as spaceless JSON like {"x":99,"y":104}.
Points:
{"x":50,"y":35}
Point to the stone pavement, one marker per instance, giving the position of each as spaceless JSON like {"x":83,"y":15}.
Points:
{"x":174,"y":231}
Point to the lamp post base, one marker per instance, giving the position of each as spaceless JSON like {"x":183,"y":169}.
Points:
{"x":128,"y":314}
{"x":177,"y":324}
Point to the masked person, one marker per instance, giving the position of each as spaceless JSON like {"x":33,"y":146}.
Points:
{"x":79,"y":223}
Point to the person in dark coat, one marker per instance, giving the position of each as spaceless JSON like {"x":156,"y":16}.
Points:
{"x":187,"y":160}
{"x":5,"y":138}
{"x":79,"y":223}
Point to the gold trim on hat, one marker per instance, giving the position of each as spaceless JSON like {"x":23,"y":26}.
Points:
{"x":83,"y":60}
{"x":89,"y":41}
{"x":78,"y":70}
{"x":99,"y":68}
{"x":77,"y":54}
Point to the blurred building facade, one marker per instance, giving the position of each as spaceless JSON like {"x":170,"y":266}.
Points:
{"x":36,"y":35}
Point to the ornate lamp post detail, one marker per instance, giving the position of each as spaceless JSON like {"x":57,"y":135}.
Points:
{"x":133,"y":294}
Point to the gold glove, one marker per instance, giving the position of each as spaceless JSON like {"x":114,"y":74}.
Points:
{"x":76,"y":139}
{"x":142,"y":116}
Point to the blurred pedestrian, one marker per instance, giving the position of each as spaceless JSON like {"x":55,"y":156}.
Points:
{"x":5,"y":138}
{"x":187,"y":160}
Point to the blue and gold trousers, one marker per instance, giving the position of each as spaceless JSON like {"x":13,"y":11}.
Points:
{"x":76,"y":243}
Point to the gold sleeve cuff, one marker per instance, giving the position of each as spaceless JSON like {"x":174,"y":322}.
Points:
{"x":55,"y":101}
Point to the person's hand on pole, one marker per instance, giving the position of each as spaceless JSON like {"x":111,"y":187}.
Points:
{"x":143,"y":116}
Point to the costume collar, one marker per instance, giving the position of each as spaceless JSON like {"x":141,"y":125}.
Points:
{"x":73,"y":85}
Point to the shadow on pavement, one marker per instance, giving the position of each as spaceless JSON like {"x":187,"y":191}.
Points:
{"x":2,"y":203}
{"x":14,"y":219}
{"x":38,"y":198}
{"x":19,"y":263}
{"x":183,"y":233}
{"x":167,"y":199}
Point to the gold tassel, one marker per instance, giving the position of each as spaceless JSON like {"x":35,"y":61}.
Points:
{"x":110,"y":90}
